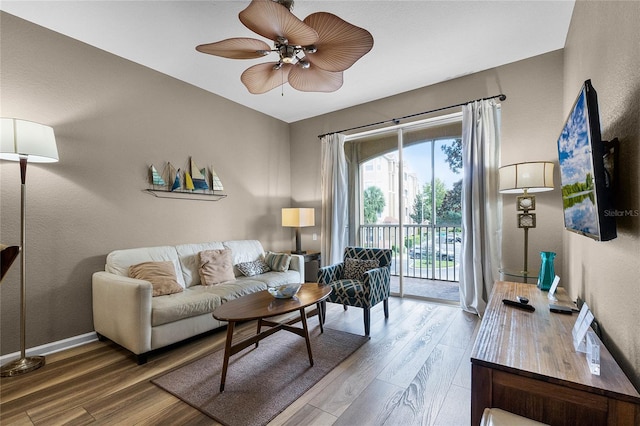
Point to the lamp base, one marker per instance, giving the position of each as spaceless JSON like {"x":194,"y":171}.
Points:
{"x":298,"y":252}
{"x":21,"y":366}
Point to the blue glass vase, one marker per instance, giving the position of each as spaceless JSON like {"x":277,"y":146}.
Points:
{"x":547,"y":272}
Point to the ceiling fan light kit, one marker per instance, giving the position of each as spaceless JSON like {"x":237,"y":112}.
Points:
{"x":312,"y":53}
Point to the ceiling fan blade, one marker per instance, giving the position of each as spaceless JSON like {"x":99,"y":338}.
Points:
{"x":314,"y":79}
{"x":272,"y":20}
{"x":262,"y":77}
{"x":340,"y":44}
{"x":236,"y":48}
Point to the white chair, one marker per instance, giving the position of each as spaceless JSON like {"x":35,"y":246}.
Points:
{"x":498,"y":417}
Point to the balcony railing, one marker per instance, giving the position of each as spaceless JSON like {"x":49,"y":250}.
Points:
{"x":428,"y":252}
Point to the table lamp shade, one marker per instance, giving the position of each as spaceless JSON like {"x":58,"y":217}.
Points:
{"x":532,"y":177}
{"x":298,"y":217}
{"x":25,"y":138}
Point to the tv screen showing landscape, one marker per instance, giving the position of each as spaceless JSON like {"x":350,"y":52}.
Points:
{"x":583,"y":180}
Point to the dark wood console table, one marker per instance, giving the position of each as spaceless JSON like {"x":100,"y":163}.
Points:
{"x":524,"y":362}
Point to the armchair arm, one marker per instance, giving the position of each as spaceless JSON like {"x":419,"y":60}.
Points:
{"x":327,"y":274}
{"x":122,"y":310}
{"x":377,"y":285}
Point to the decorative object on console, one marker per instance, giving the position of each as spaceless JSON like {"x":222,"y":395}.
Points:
{"x":298,"y":218}
{"x":198,"y":183}
{"x":547,"y":270}
{"x":525,"y":178}
{"x":25,"y":141}
{"x":312,"y":53}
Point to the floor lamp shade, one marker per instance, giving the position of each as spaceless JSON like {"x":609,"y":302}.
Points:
{"x":532,"y":177}
{"x":298,"y":218}
{"x":20,"y":137}
{"x":25,"y":141}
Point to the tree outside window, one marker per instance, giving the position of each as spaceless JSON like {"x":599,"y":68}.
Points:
{"x":373,"y":204}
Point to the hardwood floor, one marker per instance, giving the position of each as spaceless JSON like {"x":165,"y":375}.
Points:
{"x":415,"y":370}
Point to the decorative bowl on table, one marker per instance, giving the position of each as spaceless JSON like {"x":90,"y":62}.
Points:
{"x":284,"y":291}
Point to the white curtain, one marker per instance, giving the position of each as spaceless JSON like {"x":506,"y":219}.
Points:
{"x":334,"y":235}
{"x":481,"y":204}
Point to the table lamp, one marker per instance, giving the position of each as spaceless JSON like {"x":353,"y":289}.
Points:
{"x":25,"y":141}
{"x":298,"y":218}
{"x":526,"y":178}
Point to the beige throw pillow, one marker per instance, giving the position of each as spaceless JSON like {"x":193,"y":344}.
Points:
{"x":161,"y":275}
{"x":216,"y":266}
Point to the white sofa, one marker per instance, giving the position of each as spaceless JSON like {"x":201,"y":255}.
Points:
{"x":125,"y":312}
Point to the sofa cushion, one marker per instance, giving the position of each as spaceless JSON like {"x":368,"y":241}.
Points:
{"x":199,"y":299}
{"x":275,"y":278}
{"x":118,"y":261}
{"x":277,"y":261}
{"x":161,"y":275}
{"x":190,"y":261}
{"x":215,"y":266}
{"x":255,"y":267}
{"x":234,"y":289}
{"x":191,"y":302}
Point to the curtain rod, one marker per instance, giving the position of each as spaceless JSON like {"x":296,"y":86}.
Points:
{"x":396,"y":121}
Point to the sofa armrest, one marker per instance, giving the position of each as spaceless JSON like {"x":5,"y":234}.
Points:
{"x":122,"y":310}
{"x":297,"y":264}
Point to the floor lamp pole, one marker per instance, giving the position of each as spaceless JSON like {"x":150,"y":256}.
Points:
{"x":525,"y":272}
{"x":24,"y":364}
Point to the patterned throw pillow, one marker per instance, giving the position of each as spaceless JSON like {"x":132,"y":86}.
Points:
{"x":256,"y":267}
{"x":354,"y":269}
{"x":278,"y":261}
{"x":161,"y":275}
{"x":216,"y":266}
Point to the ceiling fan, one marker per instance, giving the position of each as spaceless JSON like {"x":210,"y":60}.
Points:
{"x":312,"y":53}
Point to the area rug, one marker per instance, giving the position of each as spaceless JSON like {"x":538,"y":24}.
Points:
{"x":261,"y":382}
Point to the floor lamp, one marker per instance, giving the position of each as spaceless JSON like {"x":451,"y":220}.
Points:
{"x":298,"y":218}
{"x":526,"y":178}
{"x":25,"y":141}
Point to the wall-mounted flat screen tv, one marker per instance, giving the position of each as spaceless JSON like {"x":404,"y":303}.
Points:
{"x":586,"y":184}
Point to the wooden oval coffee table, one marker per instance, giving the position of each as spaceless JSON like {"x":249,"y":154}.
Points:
{"x":261,"y":305}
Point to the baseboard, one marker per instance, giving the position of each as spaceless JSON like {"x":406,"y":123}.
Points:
{"x":53,"y":347}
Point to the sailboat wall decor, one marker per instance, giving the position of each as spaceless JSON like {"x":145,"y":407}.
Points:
{"x":199,"y":177}
{"x":193,"y":183}
{"x":156,"y":179}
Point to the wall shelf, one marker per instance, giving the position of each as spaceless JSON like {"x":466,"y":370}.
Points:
{"x":186,"y":195}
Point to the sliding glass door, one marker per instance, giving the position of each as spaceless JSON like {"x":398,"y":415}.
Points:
{"x":408,"y":181}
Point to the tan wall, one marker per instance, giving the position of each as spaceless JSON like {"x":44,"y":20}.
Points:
{"x":603,"y":45}
{"x":112,"y":119}
{"x":532,"y":118}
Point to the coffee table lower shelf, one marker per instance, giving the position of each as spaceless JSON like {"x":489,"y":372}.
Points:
{"x":261,"y":305}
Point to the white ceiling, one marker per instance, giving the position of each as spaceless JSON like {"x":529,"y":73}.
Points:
{"x":416,"y":43}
